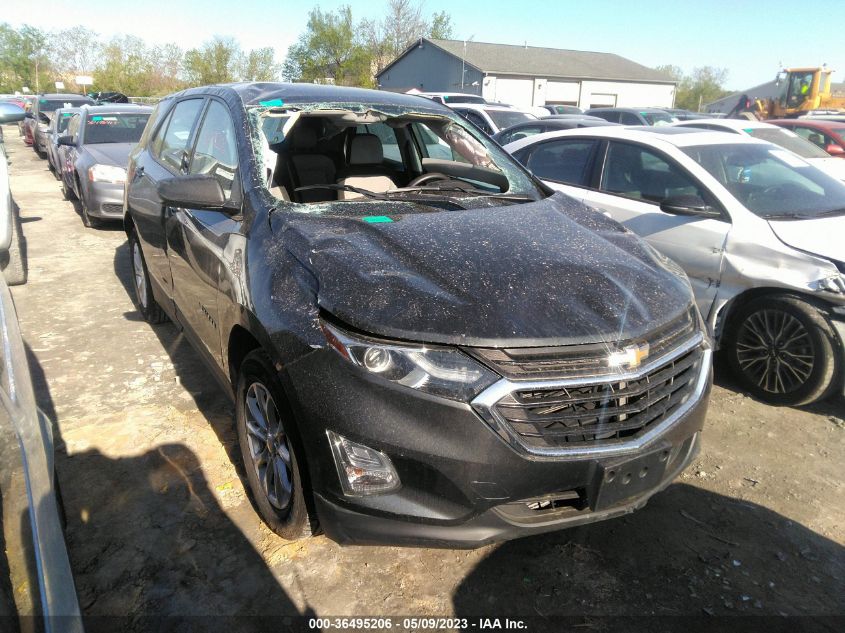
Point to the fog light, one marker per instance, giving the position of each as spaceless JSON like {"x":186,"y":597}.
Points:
{"x":362,"y":470}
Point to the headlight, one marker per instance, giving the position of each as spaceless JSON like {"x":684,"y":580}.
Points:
{"x":106,"y":173}
{"x":440,"y":371}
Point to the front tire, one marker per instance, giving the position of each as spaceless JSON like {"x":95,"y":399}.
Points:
{"x":268,"y":453}
{"x":781,"y":349}
{"x":144,"y":299}
{"x":87,"y":220}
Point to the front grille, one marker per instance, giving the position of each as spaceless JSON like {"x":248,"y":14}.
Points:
{"x":587,"y":414}
{"x":114,"y":209}
{"x":543,"y":363}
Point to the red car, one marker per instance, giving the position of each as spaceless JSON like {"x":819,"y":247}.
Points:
{"x":827,"y":134}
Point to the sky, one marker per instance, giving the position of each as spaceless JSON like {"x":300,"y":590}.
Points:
{"x":752,"y":39}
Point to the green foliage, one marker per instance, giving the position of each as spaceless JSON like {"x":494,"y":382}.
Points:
{"x":259,"y":65}
{"x":704,"y":85}
{"x":24,"y":59}
{"x":329,"y":49}
{"x":335,"y":48}
{"x":215,"y":62}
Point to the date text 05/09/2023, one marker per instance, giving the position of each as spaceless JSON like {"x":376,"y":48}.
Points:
{"x":416,"y":624}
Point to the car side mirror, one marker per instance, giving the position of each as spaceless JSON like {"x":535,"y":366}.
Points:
{"x":29,"y":115}
{"x":9,"y":113}
{"x":834,"y":150}
{"x":688,"y":205}
{"x":67,"y":139}
{"x":194,"y":192}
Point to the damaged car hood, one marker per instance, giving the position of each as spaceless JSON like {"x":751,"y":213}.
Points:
{"x":822,"y":236}
{"x":551,"y":272}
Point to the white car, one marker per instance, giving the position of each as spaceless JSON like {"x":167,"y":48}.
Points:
{"x":758,"y":230}
{"x":491,"y":118}
{"x":812,"y":153}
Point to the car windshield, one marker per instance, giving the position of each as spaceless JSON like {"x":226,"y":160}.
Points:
{"x":658,"y":118}
{"x":506,"y":118}
{"x":51,"y":105}
{"x":118,"y":127}
{"x":772,"y":182}
{"x":341,"y":155}
{"x":790,"y":141}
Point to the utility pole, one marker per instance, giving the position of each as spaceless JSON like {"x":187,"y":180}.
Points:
{"x":37,"y":89}
{"x":463,"y":65}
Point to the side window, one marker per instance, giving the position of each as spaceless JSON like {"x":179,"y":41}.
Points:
{"x":628,"y":118}
{"x":523,"y":132}
{"x":613,"y":117}
{"x":177,"y":133}
{"x":636,"y":172}
{"x":562,"y":161}
{"x":73,"y":126}
{"x":216,"y":151}
{"x":814,"y":136}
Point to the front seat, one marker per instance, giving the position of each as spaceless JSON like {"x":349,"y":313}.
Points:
{"x":309,"y":167}
{"x":366,"y":160}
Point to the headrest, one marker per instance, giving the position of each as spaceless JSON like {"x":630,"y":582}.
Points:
{"x":365,"y":149}
{"x":304,"y":138}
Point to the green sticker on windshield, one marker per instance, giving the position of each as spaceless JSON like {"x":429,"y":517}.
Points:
{"x":749,"y":130}
{"x":96,"y":118}
{"x":273,"y":103}
{"x":376,"y":219}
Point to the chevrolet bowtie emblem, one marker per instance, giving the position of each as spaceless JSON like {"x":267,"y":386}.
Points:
{"x":629,"y":357}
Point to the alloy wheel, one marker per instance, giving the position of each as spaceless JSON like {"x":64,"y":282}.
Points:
{"x":138,"y":270}
{"x":775,"y":351}
{"x":268,"y":446}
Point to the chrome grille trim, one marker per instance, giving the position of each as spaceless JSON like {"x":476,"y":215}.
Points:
{"x":485,"y":405}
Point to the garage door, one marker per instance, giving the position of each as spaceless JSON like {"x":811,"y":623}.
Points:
{"x":517,"y":92}
{"x":562,"y":92}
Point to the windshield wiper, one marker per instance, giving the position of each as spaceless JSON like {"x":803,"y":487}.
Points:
{"x":363,"y":192}
{"x":829,"y":213}
{"x":468,"y":190}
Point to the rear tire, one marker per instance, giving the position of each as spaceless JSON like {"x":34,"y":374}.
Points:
{"x":781,"y":350}
{"x":144,"y":299}
{"x":14,"y":269}
{"x":268,"y":452}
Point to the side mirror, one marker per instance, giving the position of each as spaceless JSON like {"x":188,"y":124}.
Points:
{"x":835,"y":150}
{"x":67,"y":139}
{"x":9,"y":113}
{"x":29,"y":115}
{"x":194,"y":192}
{"x":688,"y":205}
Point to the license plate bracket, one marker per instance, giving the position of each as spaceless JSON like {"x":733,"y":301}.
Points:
{"x":622,"y":479}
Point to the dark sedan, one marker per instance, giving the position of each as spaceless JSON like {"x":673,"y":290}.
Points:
{"x":98,"y":142}
{"x":549,"y":124}
{"x":43,"y":108}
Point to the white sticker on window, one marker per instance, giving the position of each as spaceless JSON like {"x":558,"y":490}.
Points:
{"x":789,"y":158}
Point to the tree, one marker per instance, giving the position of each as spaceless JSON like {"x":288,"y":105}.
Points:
{"x":215,"y":62}
{"x":23,"y":59}
{"x":441,"y":26}
{"x":704,"y":85}
{"x":259,"y":65}
{"x":329,"y":49}
{"x":74,"y":51}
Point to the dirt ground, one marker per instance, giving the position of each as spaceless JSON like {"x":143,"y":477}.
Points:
{"x":159,"y":523}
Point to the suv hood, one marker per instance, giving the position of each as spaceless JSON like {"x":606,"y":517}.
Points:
{"x":551,"y":272}
{"x":116,"y":154}
{"x":822,"y":236}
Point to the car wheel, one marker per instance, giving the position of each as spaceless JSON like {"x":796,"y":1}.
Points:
{"x":782,"y":350}
{"x":268,"y":452}
{"x":12,"y":261}
{"x":56,"y":173}
{"x":144,"y":299}
{"x":67,"y":192}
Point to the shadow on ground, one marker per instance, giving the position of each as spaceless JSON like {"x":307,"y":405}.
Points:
{"x":690,"y":552}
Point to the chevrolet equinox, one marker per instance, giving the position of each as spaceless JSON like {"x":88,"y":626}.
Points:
{"x":424,"y":344}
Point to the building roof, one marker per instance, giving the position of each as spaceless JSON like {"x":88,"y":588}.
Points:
{"x":506,"y":59}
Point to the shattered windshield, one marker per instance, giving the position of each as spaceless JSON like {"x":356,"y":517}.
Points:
{"x":319,"y":155}
{"x":771,"y":182}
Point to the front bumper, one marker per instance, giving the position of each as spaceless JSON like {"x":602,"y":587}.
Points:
{"x":463,"y":485}
{"x":105,"y":200}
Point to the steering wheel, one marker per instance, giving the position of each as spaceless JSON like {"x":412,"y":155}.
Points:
{"x":424,"y":178}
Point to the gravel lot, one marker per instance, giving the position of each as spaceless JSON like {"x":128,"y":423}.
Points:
{"x":159,"y":523}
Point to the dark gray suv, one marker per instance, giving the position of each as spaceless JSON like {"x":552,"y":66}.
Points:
{"x":420,"y":349}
